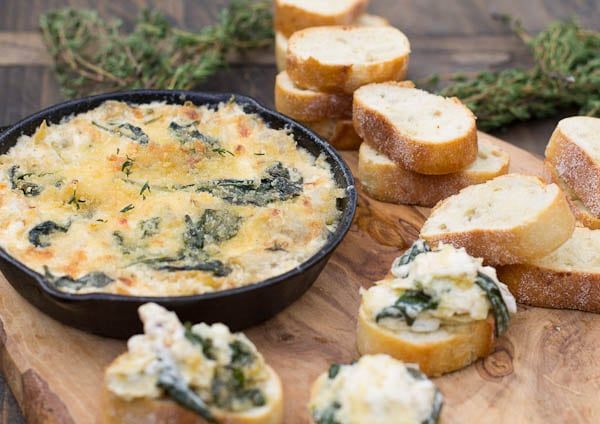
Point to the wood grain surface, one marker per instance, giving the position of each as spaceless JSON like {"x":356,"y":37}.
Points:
{"x":446,"y":37}
{"x":546,"y":369}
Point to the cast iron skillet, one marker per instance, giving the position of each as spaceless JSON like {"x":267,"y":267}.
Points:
{"x":116,"y":315}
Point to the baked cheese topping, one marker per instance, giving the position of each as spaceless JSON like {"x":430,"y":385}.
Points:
{"x":161,"y":199}
{"x":377,"y":389}
{"x":202,"y":365}
{"x":431,"y":289}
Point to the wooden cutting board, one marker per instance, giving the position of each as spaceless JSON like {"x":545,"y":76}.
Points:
{"x":546,"y":369}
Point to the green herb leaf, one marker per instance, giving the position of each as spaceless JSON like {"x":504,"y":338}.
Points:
{"x":172,"y":382}
{"x":189,"y":133}
{"x":126,"y":130}
{"x":38,"y":234}
{"x":438,"y":399}
{"x":408,"y":306}
{"x":205,"y":344}
{"x":75,"y":201}
{"x":334,"y":369}
{"x":127,"y":165}
{"x":499,"y":309}
{"x":127,"y":208}
{"x":277,"y":184}
{"x":17,"y":182}
{"x":94,"y":279}
{"x":222,"y":152}
{"x":145,"y":187}
{"x":149,"y":227}
{"x":327,"y":416}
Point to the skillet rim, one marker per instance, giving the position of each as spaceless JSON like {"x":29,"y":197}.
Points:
{"x":199,"y":98}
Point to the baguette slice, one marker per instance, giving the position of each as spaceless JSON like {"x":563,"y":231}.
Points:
{"x":581,"y":212}
{"x":338,"y":132}
{"x":423,"y":132}
{"x":367,"y":19}
{"x":387,"y":181}
{"x":309,"y":105}
{"x":281,"y":41}
{"x":159,"y":411}
{"x":294,"y":15}
{"x":574,"y":152}
{"x":443,"y":351}
{"x":341,"y":59}
{"x":568,"y":278}
{"x":510,"y":219}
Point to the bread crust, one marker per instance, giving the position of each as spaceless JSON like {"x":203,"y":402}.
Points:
{"x":281,"y":43}
{"x":579,"y":171}
{"x":309,"y":105}
{"x":547,"y":288}
{"x":166,"y":411}
{"x":291,"y":18}
{"x":392,"y":183}
{"x":338,"y":132}
{"x":313,"y":74}
{"x":529,"y":240}
{"x":581,"y":212}
{"x":413,"y":154}
{"x":465,"y":344}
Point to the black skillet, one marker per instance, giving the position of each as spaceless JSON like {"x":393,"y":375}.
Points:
{"x":116,"y":315}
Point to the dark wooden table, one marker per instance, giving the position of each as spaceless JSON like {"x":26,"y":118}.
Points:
{"x":445,"y":37}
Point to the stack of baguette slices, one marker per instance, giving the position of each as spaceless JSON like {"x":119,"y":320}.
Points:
{"x":568,"y":277}
{"x":325,"y":51}
{"x":419,"y":148}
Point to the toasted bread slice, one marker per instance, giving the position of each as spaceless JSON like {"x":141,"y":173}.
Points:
{"x":367,"y":19}
{"x":309,"y":105}
{"x":343,"y":58}
{"x":385,"y":180}
{"x":159,"y":411}
{"x":446,"y":350}
{"x":281,"y":41}
{"x":338,"y":132}
{"x":581,"y":212}
{"x":294,"y":15}
{"x":574,"y":152}
{"x":423,"y":132}
{"x":510,"y":219}
{"x":169,"y":374}
{"x":568,"y":278}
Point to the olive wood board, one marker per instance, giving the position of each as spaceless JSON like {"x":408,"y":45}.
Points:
{"x":545,"y":369}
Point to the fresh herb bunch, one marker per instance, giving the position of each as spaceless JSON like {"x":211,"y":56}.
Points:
{"x":566,"y":76}
{"x":94,"y":55}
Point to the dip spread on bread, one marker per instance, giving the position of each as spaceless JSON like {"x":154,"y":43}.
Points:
{"x":376,"y":389}
{"x":204,"y":368}
{"x":433,"y":288}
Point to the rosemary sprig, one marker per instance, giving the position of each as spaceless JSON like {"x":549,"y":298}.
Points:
{"x":94,"y":55}
{"x":565,"y":76}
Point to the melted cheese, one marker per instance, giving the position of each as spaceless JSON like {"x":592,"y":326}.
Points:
{"x":447,"y":275}
{"x":377,"y":389}
{"x":103,"y":184}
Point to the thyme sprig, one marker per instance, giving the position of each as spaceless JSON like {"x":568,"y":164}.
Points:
{"x":94,"y":55}
{"x":565,"y":76}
